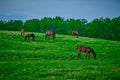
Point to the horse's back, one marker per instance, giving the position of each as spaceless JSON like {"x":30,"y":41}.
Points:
{"x":33,"y":35}
{"x":84,"y":49}
{"x":22,"y":30}
{"x":50,"y":33}
{"x":30,"y":35}
{"x":75,"y":32}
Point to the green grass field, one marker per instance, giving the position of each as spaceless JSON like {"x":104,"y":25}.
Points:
{"x":57,"y":59}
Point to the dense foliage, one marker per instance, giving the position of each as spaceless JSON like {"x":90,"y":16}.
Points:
{"x":104,"y":28}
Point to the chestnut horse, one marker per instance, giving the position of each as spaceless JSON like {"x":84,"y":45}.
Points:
{"x":75,"y":33}
{"x":22,"y":31}
{"x":49,"y":33}
{"x":30,"y":35}
{"x":86,"y":50}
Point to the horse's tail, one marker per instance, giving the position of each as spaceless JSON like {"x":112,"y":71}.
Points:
{"x":94,"y":54}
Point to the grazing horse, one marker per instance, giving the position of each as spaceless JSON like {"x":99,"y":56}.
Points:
{"x":75,"y":33}
{"x":86,"y":50}
{"x":29,"y":35}
{"x":49,"y":33}
{"x":22,"y":31}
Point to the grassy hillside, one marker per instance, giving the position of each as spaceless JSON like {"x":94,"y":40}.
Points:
{"x":51,"y":60}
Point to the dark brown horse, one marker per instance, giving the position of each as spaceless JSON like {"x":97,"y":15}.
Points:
{"x":22,"y":32}
{"x":49,"y":33}
{"x":30,"y":35}
{"x":75,"y":33}
{"x":86,"y":50}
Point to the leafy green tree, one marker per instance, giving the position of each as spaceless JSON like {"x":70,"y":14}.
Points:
{"x":14,"y":25}
{"x":32,"y":25}
{"x":3,"y":25}
{"x":104,"y":28}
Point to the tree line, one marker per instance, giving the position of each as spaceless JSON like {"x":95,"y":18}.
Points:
{"x":104,"y":28}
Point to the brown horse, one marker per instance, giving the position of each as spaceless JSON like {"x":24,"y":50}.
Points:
{"x":49,"y":33}
{"x":75,"y":33}
{"x":22,"y":31}
{"x":86,"y":50}
{"x":30,"y":35}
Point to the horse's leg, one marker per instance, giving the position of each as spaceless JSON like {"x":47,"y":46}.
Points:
{"x":45,"y":37}
{"x":23,"y":33}
{"x":88,"y":55}
{"x":33,"y":38}
{"x":72,"y":35}
{"x":53,"y":37}
{"x":49,"y":36}
{"x":79,"y":54}
{"x":77,"y":36}
{"x":28,"y":38}
{"x":25,"y":38}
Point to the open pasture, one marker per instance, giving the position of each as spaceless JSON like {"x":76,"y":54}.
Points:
{"x":57,"y":59}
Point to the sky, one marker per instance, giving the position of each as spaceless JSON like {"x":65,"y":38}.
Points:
{"x":77,"y":9}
